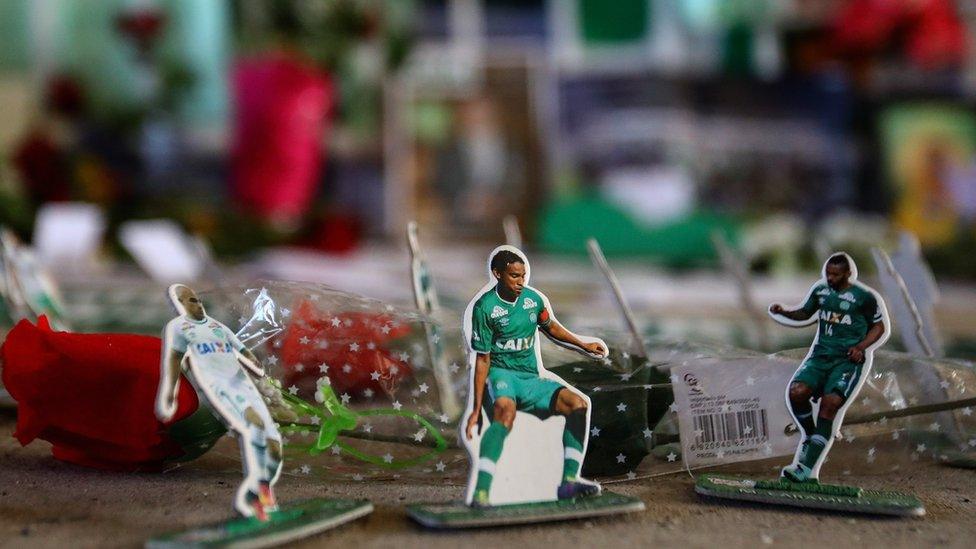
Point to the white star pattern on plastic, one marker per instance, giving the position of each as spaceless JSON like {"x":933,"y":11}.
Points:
{"x":419,"y":435}
{"x":299,"y":367}
{"x":303,"y":340}
{"x":673,"y":407}
{"x":293,"y":390}
{"x":323,"y":368}
{"x":385,"y":329}
{"x":388,"y":458}
{"x":306,"y":469}
{"x":440,"y":466}
{"x":335,"y":450}
{"x":920,"y":448}
{"x":367,"y":427}
{"x":368,"y":393}
{"x":272,"y":360}
{"x":375,"y":376}
{"x":347,"y":368}
{"x":444,"y":418}
{"x":625,"y":377}
{"x":750,"y":381}
{"x":316,"y":420}
{"x":967,"y":411}
{"x":648,"y":433}
{"x":621,"y":458}
{"x":424,"y":387}
{"x":621,"y":407}
{"x":285,"y":313}
{"x":455,"y":367}
{"x":397,"y":405}
{"x":353,"y":347}
{"x":672,"y":456}
{"x":631,"y":475}
{"x":346,"y":398}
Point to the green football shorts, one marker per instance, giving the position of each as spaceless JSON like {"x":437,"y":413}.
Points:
{"x":826,"y":375}
{"x":531,"y":393}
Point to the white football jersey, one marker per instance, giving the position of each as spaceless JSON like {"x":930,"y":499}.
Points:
{"x":211,"y":345}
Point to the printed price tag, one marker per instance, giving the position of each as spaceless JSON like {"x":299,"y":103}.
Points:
{"x":733,"y":410}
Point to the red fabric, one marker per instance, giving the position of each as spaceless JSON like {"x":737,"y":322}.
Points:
{"x":313,"y":339}
{"x":934,"y":35}
{"x":91,"y":396}
{"x":938,"y":37}
{"x":865,"y":26}
{"x":282,"y":107}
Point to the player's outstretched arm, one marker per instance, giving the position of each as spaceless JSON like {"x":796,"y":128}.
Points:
{"x":556,"y":331}
{"x":169,"y":383}
{"x":249,"y":361}
{"x":481,"y":365}
{"x":856,"y":353}
{"x":798,"y":315}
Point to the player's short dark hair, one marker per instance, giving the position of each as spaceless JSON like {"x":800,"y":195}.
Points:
{"x":503,"y":259}
{"x":839,"y":259}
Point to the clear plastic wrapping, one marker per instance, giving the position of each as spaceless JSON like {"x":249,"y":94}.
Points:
{"x":352,"y":384}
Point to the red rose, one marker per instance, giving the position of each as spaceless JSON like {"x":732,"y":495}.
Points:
{"x":92,"y":397}
{"x":352,"y":346}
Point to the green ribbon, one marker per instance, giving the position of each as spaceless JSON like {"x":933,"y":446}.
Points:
{"x":335,"y":418}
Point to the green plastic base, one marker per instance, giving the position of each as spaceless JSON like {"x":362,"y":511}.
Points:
{"x":810,"y":495}
{"x":459,"y":515}
{"x":290,"y":523}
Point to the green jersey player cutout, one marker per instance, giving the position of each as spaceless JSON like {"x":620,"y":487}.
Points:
{"x":214,"y":360}
{"x":852,"y":323}
{"x":501,"y":326}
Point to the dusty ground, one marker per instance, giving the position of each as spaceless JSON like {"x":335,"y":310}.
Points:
{"x":46,"y":503}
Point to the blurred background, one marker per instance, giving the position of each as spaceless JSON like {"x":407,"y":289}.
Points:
{"x":718,"y":150}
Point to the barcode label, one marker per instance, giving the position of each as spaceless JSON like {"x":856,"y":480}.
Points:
{"x":733,"y":410}
{"x":730,"y":429}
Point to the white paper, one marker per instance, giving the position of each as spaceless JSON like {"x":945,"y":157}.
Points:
{"x":162,"y":249}
{"x":68,"y":234}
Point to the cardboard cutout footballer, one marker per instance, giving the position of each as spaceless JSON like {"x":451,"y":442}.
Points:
{"x":525,"y":428}
{"x":853,"y":322}
{"x":214,"y":360}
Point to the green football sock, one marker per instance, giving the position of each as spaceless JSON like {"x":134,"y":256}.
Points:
{"x":818,"y":441}
{"x":491,"y":449}
{"x":804,"y":418}
{"x":573,"y":436}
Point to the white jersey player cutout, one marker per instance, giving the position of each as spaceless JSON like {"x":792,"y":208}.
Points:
{"x":214,"y":361}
